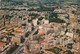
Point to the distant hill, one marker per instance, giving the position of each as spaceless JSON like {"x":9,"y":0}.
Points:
{"x":11,"y":0}
{"x":44,"y":0}
{"x":71,"y":0}
{"x":38,"y":2}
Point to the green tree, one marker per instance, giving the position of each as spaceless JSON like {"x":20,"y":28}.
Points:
{"x":4,"y":19}
{"x":9,"y":18}
{"x":55,"y":50}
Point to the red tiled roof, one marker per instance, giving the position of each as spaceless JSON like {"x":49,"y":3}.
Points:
{"x":2,"y":44}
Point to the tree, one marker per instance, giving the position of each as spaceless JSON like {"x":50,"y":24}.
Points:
{"x":5,"y":0}
{"x":55,"y":50}
{"x":27,"y":34}
{"x":69,"y":52}
{"x":4,"y":19}
{"x":22,"y":39}
{"x":9,"y":18}
{"x":34,"y":15}
{"x":69,"y":46}
{"x":20,"y":17}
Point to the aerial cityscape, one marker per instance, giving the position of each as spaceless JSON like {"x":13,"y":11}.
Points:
{"x":39,"y":26}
